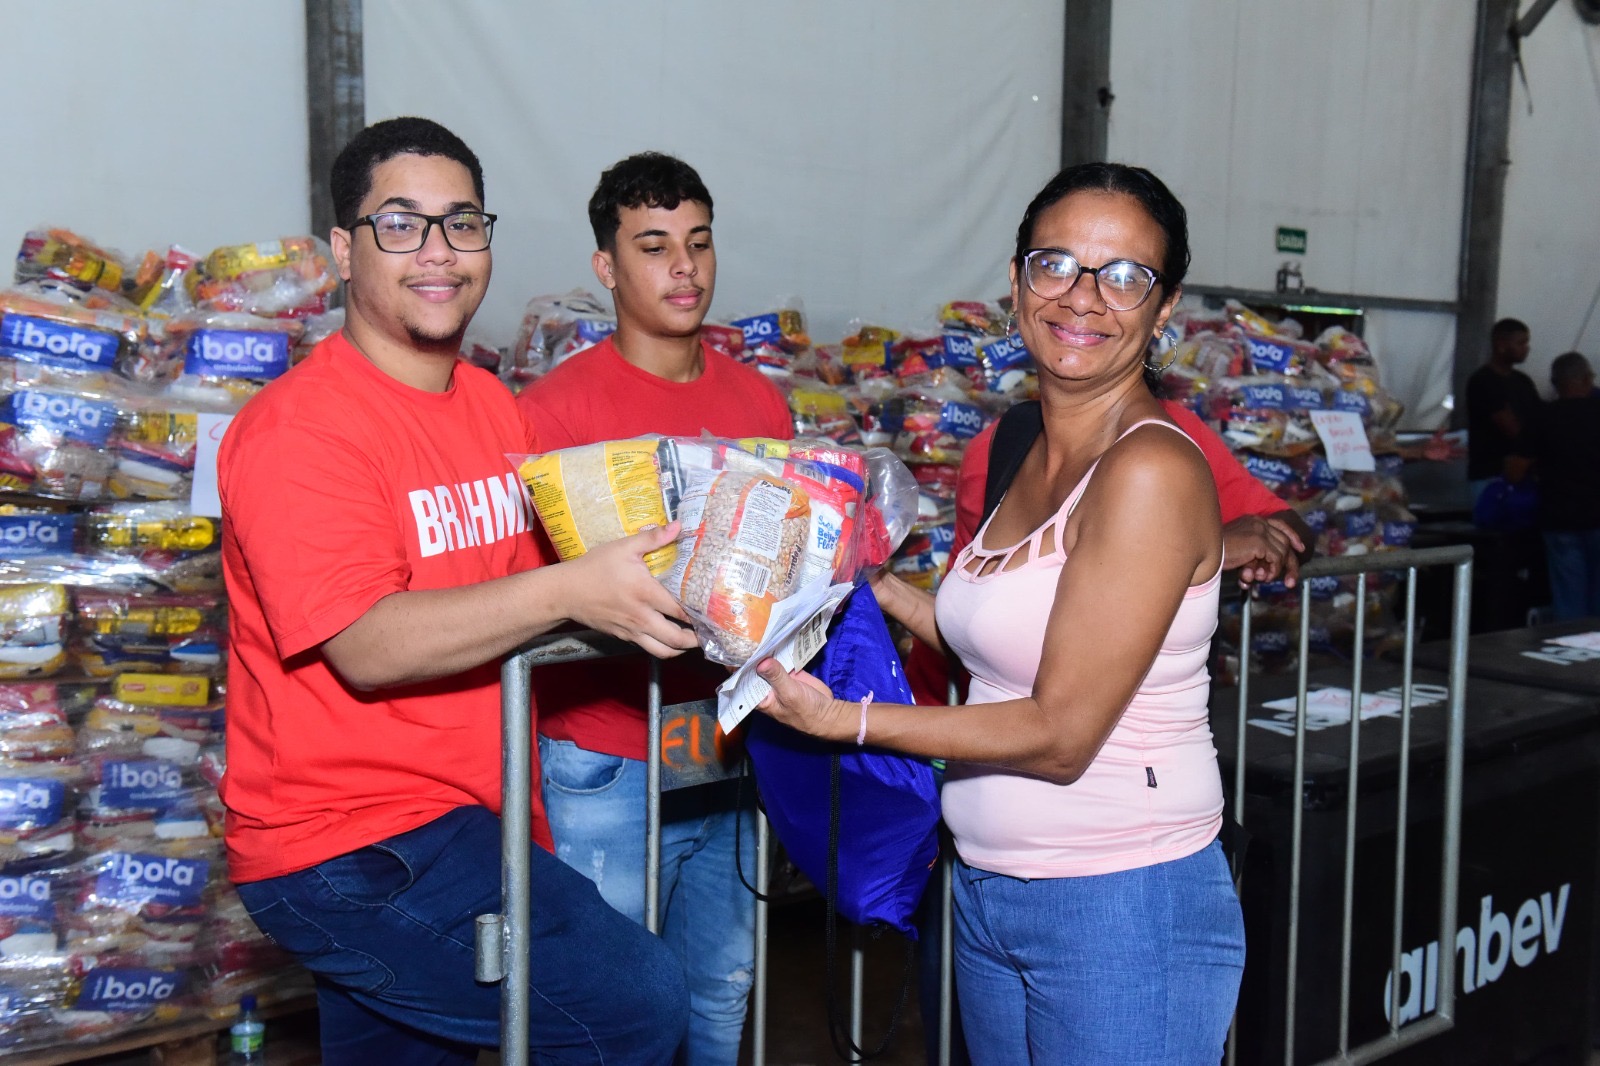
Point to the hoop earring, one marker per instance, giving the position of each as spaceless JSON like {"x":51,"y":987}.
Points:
{"x":1166,"y":340}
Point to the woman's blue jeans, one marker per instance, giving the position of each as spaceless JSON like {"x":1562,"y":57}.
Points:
{"x":1140,"y":966}
{"x":388,"y":931}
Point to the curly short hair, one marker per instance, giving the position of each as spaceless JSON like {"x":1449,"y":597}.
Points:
{"x":648,"y":179}
{"x":351,"y":178}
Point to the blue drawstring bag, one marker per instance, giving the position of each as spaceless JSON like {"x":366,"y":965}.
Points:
{"x":1509,"y":507}
{"x":886,"y":831}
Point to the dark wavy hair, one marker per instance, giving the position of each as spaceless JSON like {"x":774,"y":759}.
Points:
{"x":351,"y":178}
{"x":648,"y":179}
{"x":1137,"y":182}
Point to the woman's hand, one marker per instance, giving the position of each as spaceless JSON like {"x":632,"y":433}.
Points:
{"x":801,"y":702}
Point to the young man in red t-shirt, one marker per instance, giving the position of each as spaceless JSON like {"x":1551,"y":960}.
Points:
{"x":379,"y":562}
{"x":651,"y":216}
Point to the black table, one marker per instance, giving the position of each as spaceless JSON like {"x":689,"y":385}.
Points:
{"x":1527,"y":657}
{"x":1531,"y":796}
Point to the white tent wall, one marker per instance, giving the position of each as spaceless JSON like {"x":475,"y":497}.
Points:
{"x":1346,"y":120}
{"x":872,"y":159}
{"x":161,"y":122}
{"x":1550,"y":243}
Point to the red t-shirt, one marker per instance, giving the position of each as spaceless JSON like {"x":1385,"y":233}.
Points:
{"x":1238,"y":494}
{"x":340,"y":485}
{"x":597,"y":395}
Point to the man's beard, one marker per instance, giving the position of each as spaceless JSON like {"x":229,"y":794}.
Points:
{"x":425,"y":339}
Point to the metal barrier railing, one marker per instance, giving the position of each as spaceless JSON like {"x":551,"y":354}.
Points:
{"x":503,"y":941}
{"x":1409,"y":561}
{"x":503,"y":948}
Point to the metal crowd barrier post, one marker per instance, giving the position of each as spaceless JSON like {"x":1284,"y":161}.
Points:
{"x":758,"y":1008}
{"x":503,"y":940}
{"x":503,"y":946}
{"x":1443,"y":1018}
{"x":697,"y":722}
{"x":947,"y":928}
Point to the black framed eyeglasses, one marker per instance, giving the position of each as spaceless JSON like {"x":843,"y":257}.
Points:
{"x":407,"y":231}
{"x":1123,"y":283}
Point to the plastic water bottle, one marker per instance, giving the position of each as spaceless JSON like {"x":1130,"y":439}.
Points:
{"x":246,"y":1037}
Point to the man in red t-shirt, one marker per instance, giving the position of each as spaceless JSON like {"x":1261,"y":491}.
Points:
{"x":379,"y":562}
{"x":651,"y":216}
{"x":1262,"y":537}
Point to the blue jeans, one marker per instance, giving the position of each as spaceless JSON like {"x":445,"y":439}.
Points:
{"x":1138,"y":966}
{"x":1573,"y":559}
{"x":596,"y":805}
{"x":388,"y":932}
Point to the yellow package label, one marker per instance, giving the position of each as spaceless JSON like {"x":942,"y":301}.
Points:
{"x":167,"y":690}
{"x":817,"y":402}
{"x":144,"y":621}
{"x":596,"y":494}
{"x":232,"y":261}
{"x":162,"y":427}
{"x":182,"y":533}
{"x":144,"y":725}
{"x":766,"y":447}
{"x":39,"y":600}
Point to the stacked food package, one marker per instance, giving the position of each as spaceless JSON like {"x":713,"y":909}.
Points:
{"x":115,"y":907}
{"x":925,"y":394}
{"x":1263,"y":387}
{"x":922,"y":394}
{"x":772,"y":533}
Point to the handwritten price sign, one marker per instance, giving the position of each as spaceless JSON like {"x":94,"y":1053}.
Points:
{"x":203,"y":498}
{"x":1345,"y":440}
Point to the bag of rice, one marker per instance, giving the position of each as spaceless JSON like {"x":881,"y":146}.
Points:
{"x":741,"y":550}
{"x":597,"y":493}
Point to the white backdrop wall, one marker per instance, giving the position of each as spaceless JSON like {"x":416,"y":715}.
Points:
{"x":1347,"y":120}
{"x":161,"y":122}
{"x":1550,"y":248}
{"x":873,"y":159}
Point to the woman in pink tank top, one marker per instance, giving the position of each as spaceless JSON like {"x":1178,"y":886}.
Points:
{"x":1096,"y":918}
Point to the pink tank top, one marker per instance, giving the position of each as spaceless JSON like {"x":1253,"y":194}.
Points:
{"x":1152,"y":794}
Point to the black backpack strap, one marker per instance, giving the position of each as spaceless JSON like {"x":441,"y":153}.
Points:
{"x":1013,"y":439}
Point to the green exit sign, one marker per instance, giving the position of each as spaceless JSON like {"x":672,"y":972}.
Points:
{"x":1291,"y":240}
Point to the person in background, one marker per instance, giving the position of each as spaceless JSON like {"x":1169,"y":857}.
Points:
{"x":651,"y":216}
{"x":1096,"y":919}
{"x":379,"y":563}
{"x":1501,"y":403}
{"x":1563,"y":447}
